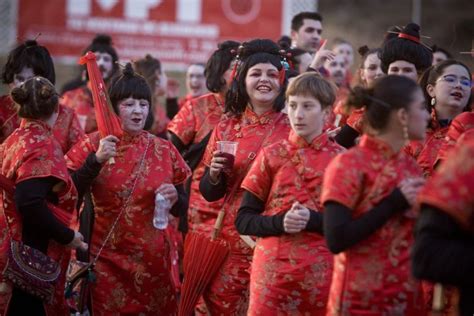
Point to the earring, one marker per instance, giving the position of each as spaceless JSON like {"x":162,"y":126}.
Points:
{"x":405,"y":133}
{"x":433,"y":101}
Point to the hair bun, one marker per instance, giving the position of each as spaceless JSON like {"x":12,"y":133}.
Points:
{"x":102,"y":39}
{"x":284,"y":42}
{"x":148,"y":57}
{"x":19,"y":95}
{"x":363,"y":50}
{"x":227,"y":45}
{"x":46,"y":92}
{"x":412,"y":29}
{"x":260,"y":46}
{"x":29,"y":43}
{"x":128,"y":70}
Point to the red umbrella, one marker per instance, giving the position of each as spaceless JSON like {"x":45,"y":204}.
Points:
{"x":203,"y":257}
{"x":108,"y":122}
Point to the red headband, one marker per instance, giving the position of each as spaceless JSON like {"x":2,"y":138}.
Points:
{"x":409,"y":37}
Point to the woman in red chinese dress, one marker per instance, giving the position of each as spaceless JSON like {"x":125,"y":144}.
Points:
{"x":444,"y":238}
{"x":447,"y":89}
{"x":134,"y":269}
{"x":25,"y":61}
{"x":292,"y":268}
{"x":253,"y":119}
{"x":368,"y":193}
{"x":369,"y":71}
{"x":33,"y":159}
{"x":190,"y":131}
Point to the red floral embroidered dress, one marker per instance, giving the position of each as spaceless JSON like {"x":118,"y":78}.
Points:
{"x":66,"y":130}
{"x":373,"y":277}
{"x":426,"y":152}
{"x":291,"y":274}
{"x":80,"y":100}
{"x":134,"y":270}
{"x":31,"y":151}
{"x":228,"y":292}
{"x":195,"y":121}
{"x":460,"y":124}
{"x":450,"y":190}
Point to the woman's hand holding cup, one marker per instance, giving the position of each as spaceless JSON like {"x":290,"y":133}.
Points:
{"x":222,"y":160}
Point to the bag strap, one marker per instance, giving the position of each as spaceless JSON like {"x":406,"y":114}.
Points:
{"x":124,"y":207}
{"x":251,"y":156}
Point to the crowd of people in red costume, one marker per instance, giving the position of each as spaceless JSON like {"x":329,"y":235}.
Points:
{"x":347,"y":193}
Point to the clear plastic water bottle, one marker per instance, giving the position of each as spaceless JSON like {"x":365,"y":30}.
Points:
{"x":161,"y":213}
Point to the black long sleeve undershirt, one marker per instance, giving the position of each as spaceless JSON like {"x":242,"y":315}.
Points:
{"x":213,"y":192}
{"x":177,"y":142}
{"x":444,"y":252}
{"x":346,"y":136}
{"x":181,"y":206}
{"x":172,"y":107}
{"x":249,"y":220}
{"x":342,"y":231}
{"x":39,"y":223}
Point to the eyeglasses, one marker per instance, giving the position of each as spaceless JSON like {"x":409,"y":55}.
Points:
{"x":452,"y":80}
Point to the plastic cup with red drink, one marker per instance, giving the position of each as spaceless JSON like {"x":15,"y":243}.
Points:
{"x":227,"y":149}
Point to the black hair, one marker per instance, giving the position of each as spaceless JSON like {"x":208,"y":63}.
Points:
{"x":410,"y":50}
{"x":129,"y":85}
{"x":431,"y":75}
{"x":218,"y":64}
{"x":435,"y":49}
{"x":31,"y":55}
{"x":292,"y":53}
{"x":252,"y":53}
{"x":365,"y":51}
{"x":36,"y":98}
{"x":389,"y":94}
{"x":298,"y":20}
{"x":102,"y":43}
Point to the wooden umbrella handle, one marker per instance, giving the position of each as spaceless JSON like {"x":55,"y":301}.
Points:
{"x":218,"y":225}
{"x":438,"y":298}
{"x":112,"y":160}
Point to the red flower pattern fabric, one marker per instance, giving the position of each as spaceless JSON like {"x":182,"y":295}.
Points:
{"x":228,"y":292}
{"x":31,"y":151}
{"x":194,"y":121}
{"x":134,"y":269}
{"x":373,"y":277}
{"x":290,"y":274}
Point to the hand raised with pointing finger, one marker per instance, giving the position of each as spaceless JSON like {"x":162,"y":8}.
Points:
{"x":321,"y":56}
